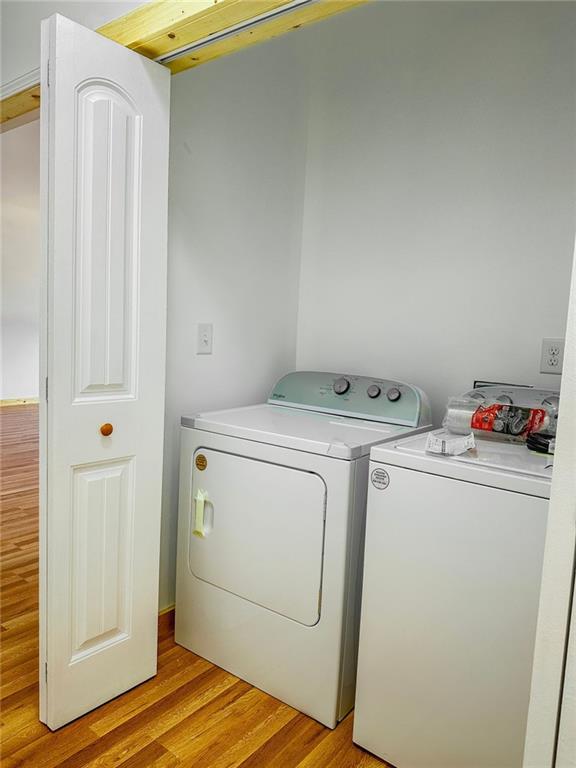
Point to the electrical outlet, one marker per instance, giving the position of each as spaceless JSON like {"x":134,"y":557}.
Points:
{"x":552,"y":356}
{"x":204,"y":339}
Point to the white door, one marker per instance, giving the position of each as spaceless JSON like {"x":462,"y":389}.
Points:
{"x":257,"y":531}
{"x":104,"y":127}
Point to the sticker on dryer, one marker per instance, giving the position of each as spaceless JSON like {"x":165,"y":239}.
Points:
{"x":201,"y":462}
{"x":380,"y":479}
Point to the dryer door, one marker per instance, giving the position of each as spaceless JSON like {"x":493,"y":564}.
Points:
{"x":257,"y":531}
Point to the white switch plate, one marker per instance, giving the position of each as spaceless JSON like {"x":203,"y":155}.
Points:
{"x":204,"y":339}
{"x":552,"y":356}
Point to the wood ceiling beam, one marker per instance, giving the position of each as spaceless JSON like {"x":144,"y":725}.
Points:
{"x":267,"y":30}
{"x":20,"y":104}
{"x":161,"y":27}
{"x":158,"y":28}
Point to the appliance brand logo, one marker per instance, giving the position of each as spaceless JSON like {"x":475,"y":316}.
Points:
{"x":380,"y":479}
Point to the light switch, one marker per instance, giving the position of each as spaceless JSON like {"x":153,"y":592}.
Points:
{"x":204,"y":339}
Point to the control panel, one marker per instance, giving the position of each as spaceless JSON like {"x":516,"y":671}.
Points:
{"x":362,"y":397}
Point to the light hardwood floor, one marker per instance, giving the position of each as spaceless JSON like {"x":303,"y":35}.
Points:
{"x":191,"y":714}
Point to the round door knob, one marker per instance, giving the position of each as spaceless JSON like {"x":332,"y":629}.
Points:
{"x":106,"y":430}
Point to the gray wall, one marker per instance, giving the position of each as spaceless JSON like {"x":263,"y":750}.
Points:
{"x":20,"y":263}
{"x":440,"y":192}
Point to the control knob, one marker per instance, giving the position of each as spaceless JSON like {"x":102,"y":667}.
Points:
{"x":341,"y":386}
{"x":393,"y":394}
{"x":373,"y":391}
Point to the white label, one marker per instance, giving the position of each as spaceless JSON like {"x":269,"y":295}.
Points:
{"x":380,"y":479}
{"x":447,"y":444}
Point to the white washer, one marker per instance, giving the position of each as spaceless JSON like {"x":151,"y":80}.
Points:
{"x":271,"y":526}
{"x":453,"y":561}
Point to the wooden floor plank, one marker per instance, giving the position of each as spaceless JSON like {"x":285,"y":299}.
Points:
{"x":191,"y":715}
{"x":285,"y":748}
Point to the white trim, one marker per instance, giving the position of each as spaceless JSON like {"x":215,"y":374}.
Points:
{"x":20,"y":83}
{"x":555,"y":597}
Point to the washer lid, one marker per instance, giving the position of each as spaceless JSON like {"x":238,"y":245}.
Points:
{"x":336,"y":436}
{"x":511,"y":466}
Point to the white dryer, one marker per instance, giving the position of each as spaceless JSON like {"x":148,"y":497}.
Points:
{"x":452,"y":570}
{"x":271,"y":527}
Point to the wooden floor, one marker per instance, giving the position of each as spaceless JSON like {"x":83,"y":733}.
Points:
{"x":191,"y":714}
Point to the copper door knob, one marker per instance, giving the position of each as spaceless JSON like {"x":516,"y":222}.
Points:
{"x":106,"y":429}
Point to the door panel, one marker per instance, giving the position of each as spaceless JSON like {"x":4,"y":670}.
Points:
{"x":102,"y":570}
{"x":104,"y":125}
{"x":260,"y":533}
{"x":108,"y":160}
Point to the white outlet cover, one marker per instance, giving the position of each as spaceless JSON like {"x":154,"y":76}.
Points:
{"x":204,"y":338}
{"x":552,"y":356}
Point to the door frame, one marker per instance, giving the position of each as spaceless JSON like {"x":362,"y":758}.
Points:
{"x":552,"y":632}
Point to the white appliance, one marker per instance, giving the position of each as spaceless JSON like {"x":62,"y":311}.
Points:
{"x":271,"y":527}
{"x":453,"y":560}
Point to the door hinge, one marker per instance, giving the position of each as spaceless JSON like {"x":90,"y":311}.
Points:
{"x":45,"y":671}
{"x":48,"y":74}
{"x":46,"y":387}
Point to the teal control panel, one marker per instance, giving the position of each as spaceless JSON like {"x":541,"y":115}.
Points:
{"x":361,"y":397}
